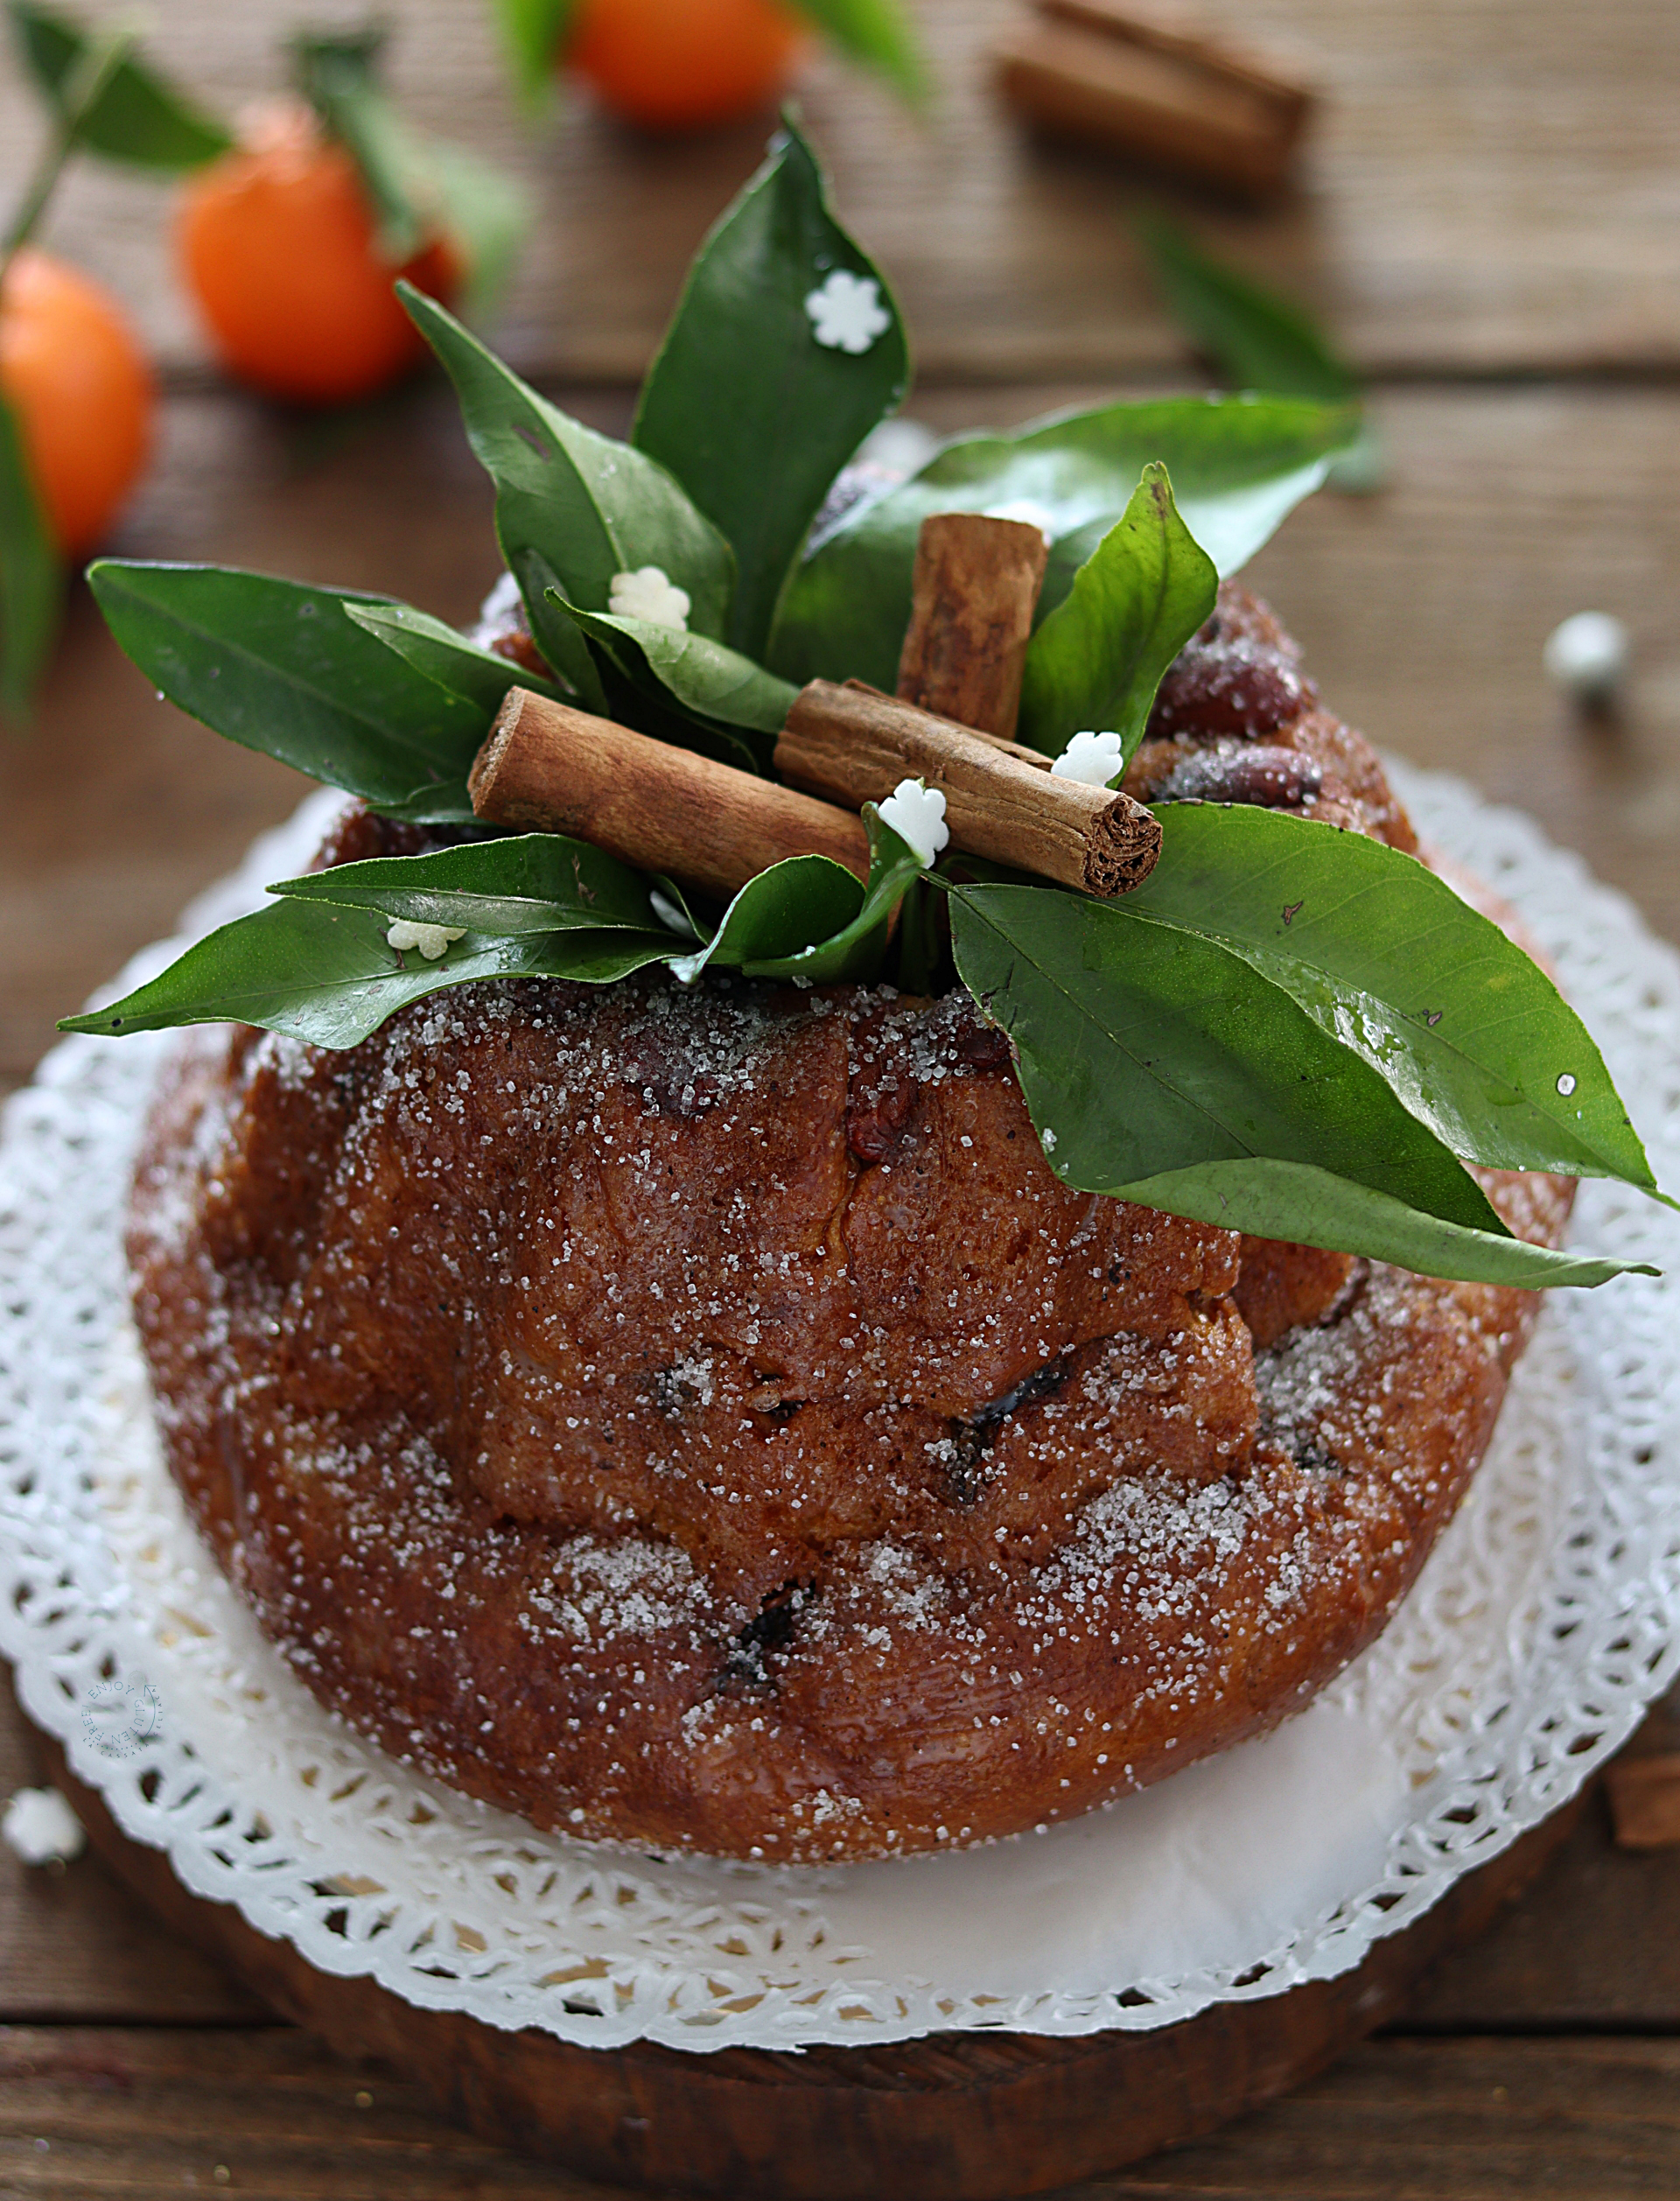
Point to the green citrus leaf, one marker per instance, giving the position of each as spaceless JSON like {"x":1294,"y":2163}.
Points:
{"x":1239,"y":466}
{"x":877,"y":32}
{"x":32,"y":575}
{"x":532,"y":33}
{"x":751,"y":412}
{"x":325,"y":973}
{"x":856,"y":949}
{"x":1308,"y":1206}
{"x":699,"y":674}
{"x":1257,"y":339}
{"x":588,"y":507}
{"x":138,"y":117}
{"x":435,"y":648}
{"x":339,"y":78}
{"x":1097,"y":660}
{"x":280,"y":667}
{"x":485,"y":213}
{"x":523,"y":883}
{"x":795,"y":904}
{"x":1385,"y":958}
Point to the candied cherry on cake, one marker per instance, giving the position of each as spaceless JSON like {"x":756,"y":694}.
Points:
{"x":279,"y":243}
{"x":74,"y":375}
{"x":684,"y":63}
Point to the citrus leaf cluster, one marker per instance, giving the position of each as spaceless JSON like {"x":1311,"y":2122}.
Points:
{"x":1288,"y":1029}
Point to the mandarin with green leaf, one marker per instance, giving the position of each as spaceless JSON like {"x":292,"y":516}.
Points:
{"x":73,"y":372}
{"x":279,"y":243}
{"x":684,"y":63}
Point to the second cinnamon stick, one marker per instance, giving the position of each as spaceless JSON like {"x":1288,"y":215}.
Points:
{"x":856,"y":745}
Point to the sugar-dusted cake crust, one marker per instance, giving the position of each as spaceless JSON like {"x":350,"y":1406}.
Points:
{"x":701,"y":1417}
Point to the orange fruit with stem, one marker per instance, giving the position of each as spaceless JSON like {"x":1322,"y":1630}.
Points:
{"x":678,"y":64}
{"x":280,"y":249}
{"x":76,"y":379}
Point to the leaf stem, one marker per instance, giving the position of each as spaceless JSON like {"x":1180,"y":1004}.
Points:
{"x":85,"y":88}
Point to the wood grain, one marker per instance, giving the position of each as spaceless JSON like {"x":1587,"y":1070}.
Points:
{"x":132,"y":2116}
{"x":958,"y":2117}
{"x":1489,"y":187}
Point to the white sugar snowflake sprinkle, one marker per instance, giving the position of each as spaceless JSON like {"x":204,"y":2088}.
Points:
{"x":1094,"y":758}
{"x":40,"y":1827}
{"x":433,"y":941}
{"x":648,"y":594}
{"x":846,"y":313}
{"x":916,"y":813}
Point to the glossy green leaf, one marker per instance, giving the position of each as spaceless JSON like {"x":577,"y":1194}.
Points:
{"x":590,"y":507}
{"x":1305,"y":1205}
{"x":1239,"y":466}
{"x":419,"y":185}
{"x":137,"y":117}
{"x":751,"y":413}
{"x":879,"y":33}
{"x":532,"y":33}
{"x":1097,"y":660}
{"x":1468,"y":1031}
{"x":32,"y":575}
{"x":700,"y":675}
{"x":326,"y":974}
{"x":339,"y":78}
{"x":797,"y":904}
{"x":855,"y":949}
{"x":435,"y":648}
{"x":522,"y":883}
{"x":280,"y":667}
{"x":485,"y":213}
{"x":1257,"y":339}
{"x":560,"y":640}
{"x":1150,"y":1056}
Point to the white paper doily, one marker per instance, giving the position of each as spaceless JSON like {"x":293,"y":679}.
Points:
{"x":1547,"y":1618}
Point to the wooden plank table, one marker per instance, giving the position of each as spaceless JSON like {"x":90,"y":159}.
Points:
{"x":1488,"y":215}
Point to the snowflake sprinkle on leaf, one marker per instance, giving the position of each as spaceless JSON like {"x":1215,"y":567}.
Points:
{"x":433,"y":941}
{"x":846,"y":313}
{"x":648,"y":594}
{"x":916,"y":814}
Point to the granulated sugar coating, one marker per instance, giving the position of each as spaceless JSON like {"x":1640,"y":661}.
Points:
{"x":700,"y":1416}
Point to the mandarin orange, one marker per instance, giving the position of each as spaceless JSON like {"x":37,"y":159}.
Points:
{"x":278,"y":239}
{"x":78,"y":381}
{"x":681,"y":64}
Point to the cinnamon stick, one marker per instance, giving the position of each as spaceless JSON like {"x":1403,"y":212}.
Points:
{"x":548,"y":768}
{"x":855,"y":744}
{"x":1095,"y":70}
{"x":976,"y":586}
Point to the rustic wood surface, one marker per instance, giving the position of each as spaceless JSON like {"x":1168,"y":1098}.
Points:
{"x":1489,"y":186}
{"x":1488,"y":215}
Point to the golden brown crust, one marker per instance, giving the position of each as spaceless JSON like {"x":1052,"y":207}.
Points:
{"x":833,"y":1506}
{"x":700,"y":1416}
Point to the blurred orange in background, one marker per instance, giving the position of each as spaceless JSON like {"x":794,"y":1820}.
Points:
{"x":82,"y":391}
{"x":278,"y":245}
{"x":673,"y":64}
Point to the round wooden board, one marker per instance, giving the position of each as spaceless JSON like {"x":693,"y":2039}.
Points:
{"x":955,"y":2117}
